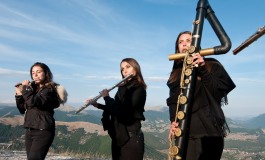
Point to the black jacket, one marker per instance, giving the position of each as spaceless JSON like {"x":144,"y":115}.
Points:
{"x":124,"y":113}
{"x":211,"y":88}
{"x":38,"y":106}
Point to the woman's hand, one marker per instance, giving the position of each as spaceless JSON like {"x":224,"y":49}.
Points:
{"x":95,"y":104}
{"x":19,"y":90}
{"x":19,"y":87}
{"x":173,"y":129}
{"x":25,"y":82}
{"x":198,"y":60}
{"x":104,"y":93}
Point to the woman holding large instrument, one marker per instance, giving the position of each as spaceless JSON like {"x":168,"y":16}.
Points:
{"x":207,"y":126}
{"x":123,"y":114}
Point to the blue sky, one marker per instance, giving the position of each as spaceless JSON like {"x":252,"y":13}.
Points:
{"x":83,"y":42}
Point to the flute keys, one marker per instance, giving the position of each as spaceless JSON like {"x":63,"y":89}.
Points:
{"x":183,"y":100}
{"x":189,"y":60}
{"x":173,"y":150}
{"x":178,"y":132}
{"x":181,"y":115}
{"x":196,"y":22}
{"x":188,"y":72}
{"x":186,"y":81}
{"x":191,"y":49}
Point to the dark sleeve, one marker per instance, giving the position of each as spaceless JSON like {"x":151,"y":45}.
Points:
{"x":45,"y":99}
{"x":174,"y":91}
{"x":138,"y":102}
{"x":215,"y":78}
{"x":108,"y":102}
{"x":127,"y":103}
{"x":20,"y":104}
{"x":112,"y":105}
{"x":172,"y":111}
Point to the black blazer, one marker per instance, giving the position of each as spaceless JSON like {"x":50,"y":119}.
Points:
{"x":38,"y":107}
{"x":124,"y":113}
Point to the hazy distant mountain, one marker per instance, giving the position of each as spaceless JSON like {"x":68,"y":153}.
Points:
{"x":255,"y":122}
{"x":82,"y":134}
{"x":153,"y":114}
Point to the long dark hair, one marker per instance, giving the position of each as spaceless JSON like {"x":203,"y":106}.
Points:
{"x":137,"y":68}
{"x":47,"y":71}
{"x":177,"y":63}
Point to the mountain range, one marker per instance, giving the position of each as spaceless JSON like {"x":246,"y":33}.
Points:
{"x":82,"y":134}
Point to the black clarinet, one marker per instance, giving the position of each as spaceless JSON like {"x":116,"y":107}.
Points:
{"x":178,"y":147}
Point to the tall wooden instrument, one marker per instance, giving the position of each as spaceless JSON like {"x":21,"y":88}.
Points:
{"x":178,"y":143}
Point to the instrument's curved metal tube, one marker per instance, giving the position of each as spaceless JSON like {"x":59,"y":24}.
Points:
{"x":99,"y":96}
{"x":203,"y":52}
{"x":219,"y":31}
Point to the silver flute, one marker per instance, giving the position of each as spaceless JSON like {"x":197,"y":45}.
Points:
{"x":260,"y":32}
{"x":18,"y":84}
{"x":99,"y":96}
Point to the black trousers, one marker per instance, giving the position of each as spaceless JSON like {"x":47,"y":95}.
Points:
{"x":132,"y":150}
{"x":205,"y":148}
{"x":38,"y":143}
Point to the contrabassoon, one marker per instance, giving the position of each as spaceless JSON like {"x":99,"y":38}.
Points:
{"x":178,"y":146}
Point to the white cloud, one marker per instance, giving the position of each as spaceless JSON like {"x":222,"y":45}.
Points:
{"x":6,"y":72}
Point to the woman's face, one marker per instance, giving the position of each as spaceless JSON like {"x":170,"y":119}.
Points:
{"x":127,"y":69}
{"x":184,"y":42}
{"x":38,"y":75}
